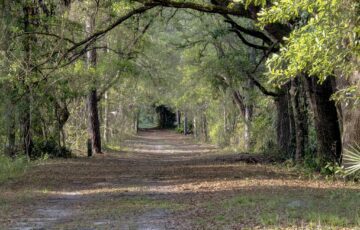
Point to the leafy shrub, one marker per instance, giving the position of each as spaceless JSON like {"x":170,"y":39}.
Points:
{"x":180,"y":129}
{"x":10,"y":168}
{"x":333,"y":169}
{"x":51,"y":148}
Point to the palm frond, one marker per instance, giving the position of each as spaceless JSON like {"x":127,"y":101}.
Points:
{"x":352,"y":159}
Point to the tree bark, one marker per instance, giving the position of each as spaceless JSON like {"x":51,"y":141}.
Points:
{"x":106,"y":117}
{"x":195,"y":127}
{"x":94,"y":123}
{"x":10,"y":112}
{"x":136,"y":122}
{"x":62,"y":116}
{"x":247,"y":128}
{"x":325,"y":119}
{"x":283,"y":122}
{"x":204,"y":128}
{"x":30,"y":21}
{"x":178,"y":118}
{"x":11,"y":130}
{"x":350,"y":113}
{"x":298,"y":101}
{"x":185,"y":124}
{"x":224,"y":118}
{"x":246,"y":110}
{"x":92,"y":101}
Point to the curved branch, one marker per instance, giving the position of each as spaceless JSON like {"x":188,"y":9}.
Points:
{"x":206,"y":8}
{"x":100,"y":33}
{"x":262,"y":88}
{"x":254,"y":33}
{"x":48,"y":34}
{"x":248,"y":43}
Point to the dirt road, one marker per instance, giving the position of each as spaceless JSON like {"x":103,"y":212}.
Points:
{"x":163,"y":180}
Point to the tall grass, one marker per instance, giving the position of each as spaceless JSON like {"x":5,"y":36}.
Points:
{"x":11,"y":168}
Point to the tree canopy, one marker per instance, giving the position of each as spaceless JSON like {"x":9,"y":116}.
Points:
{"x":235,"y":70}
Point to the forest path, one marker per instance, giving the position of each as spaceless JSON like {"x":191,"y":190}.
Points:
{"x":163,"y":180}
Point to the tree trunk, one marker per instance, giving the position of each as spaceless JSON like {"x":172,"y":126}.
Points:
{"x":10,"y":112}
{"x":185,"y":124}
{"x":298,"y":101}
{"x":350,"y":115}
{"x":178,"y":119}
{"x":11,"y":131}
{"x":62,"y":116}
{"x":224,"y":118}
{"x":283,"y":122}
{"x":94,"y":123}
{"x":246,"y":110}
{"x":195,"y":127}
{"x":106,"y":115}
{"x":30,"y":12}
{"x":247,"y":119}
{"x":204,"y":128}
{"x":136,"y":122}
{"x":325,"y":119}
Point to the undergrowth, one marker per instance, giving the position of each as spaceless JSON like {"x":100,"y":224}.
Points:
{"x":12,"y":167}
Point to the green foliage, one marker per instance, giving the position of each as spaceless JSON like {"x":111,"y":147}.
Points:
{"x":324,"y":39}
{"x":50,"y":148}
{"x":12,"y":167}
{"x":180,"y":129}
{"x":254,"y":2}
{"x":333,"y":170}
{"x":348,"y":95}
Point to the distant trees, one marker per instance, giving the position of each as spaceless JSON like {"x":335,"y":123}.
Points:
{"x":318,"y":61}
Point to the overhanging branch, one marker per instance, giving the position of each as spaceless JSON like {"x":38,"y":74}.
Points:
{"x":206,"y":8}
{"x":249,"y":43}
{"x":261,"y":87}
{"x":253,"y":33}
{"x":100,"y":33}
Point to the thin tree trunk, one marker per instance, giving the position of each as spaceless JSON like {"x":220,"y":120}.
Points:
{"x":246,"y":113}
{"x":247,"y":119}
{"x":62,"y":115}
{"x":94,"y":123}
{"x":195,"y":127}
{"x":26,"y":133}
{"x":106,"y":119}
{"x":185,"y":123}
{"x":10,"y":113}
{"x":136,"y":122}
{"x":178,"y":118}
{"x":30,"y":12}
{"x":224,"y":118}
{"x":204,"y":128}
{"x":11,"y":131}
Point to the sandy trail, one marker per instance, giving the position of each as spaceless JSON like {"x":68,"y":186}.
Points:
{"x":162,"y":181}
